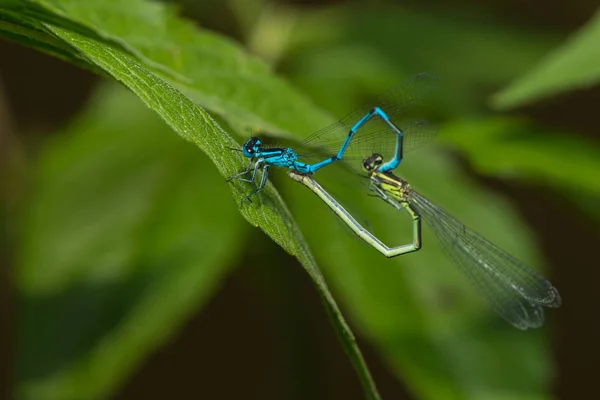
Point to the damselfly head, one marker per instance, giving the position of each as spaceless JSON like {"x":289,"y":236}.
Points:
{"x":251,"y":146}
{"x":373,"y":162}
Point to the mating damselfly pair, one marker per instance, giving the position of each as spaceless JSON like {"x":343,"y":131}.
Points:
{"x":372,"y":140}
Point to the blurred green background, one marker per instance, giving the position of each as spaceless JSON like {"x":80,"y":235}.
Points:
{"x":133,"y":275}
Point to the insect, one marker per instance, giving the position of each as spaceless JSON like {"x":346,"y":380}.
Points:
{"x":515,"y":291}
{"x":363,"y":131}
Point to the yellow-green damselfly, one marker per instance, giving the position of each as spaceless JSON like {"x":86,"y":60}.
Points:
{"x":514,"y":290}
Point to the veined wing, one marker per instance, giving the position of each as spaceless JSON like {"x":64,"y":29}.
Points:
{"x":514,"y":290}
{"x":384,"y":142}
{"x":395,"y":102}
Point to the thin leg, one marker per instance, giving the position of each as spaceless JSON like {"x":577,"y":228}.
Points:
{"x":256,"y":168}
{"x":236,"y":176}
{"x":263,"y":182}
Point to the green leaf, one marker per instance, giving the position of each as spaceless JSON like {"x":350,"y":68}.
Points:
{"x":510,"y":147}
{"x":574,"y":65}
{"x":31,"y":33}
{"x":211,"y":69}
{"x":328,"y":54}
{"x":116,"y":253}
{"x":244,"y":96}
{"x":439,"y":337}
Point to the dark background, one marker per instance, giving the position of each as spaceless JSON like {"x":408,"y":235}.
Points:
{"x":39,"y":94}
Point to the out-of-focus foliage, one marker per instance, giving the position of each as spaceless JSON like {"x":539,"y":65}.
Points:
{"x":127,"y":230}
{"x":516,"y":148}
{"x":117,"y":248}
{"x":210,"y":68}
{"x":571,"y":66}
{"x":372,"y":47}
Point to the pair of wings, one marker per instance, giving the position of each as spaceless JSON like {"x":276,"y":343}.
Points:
{"x":375,"y":136}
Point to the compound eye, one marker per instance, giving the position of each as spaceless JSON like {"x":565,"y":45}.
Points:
{"x":376,"y":160}
{"x":251,"y":145}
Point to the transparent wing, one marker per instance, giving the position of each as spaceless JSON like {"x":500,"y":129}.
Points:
{"x":395,"y":102}
{"x":515,"y":291}
{"x":416,"y":134}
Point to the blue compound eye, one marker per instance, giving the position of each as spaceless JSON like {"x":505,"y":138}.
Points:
{"x":251,"y":146}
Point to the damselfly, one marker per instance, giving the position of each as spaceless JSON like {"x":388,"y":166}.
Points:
{"x":364,"y":131}
{"x":514,"y":290}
